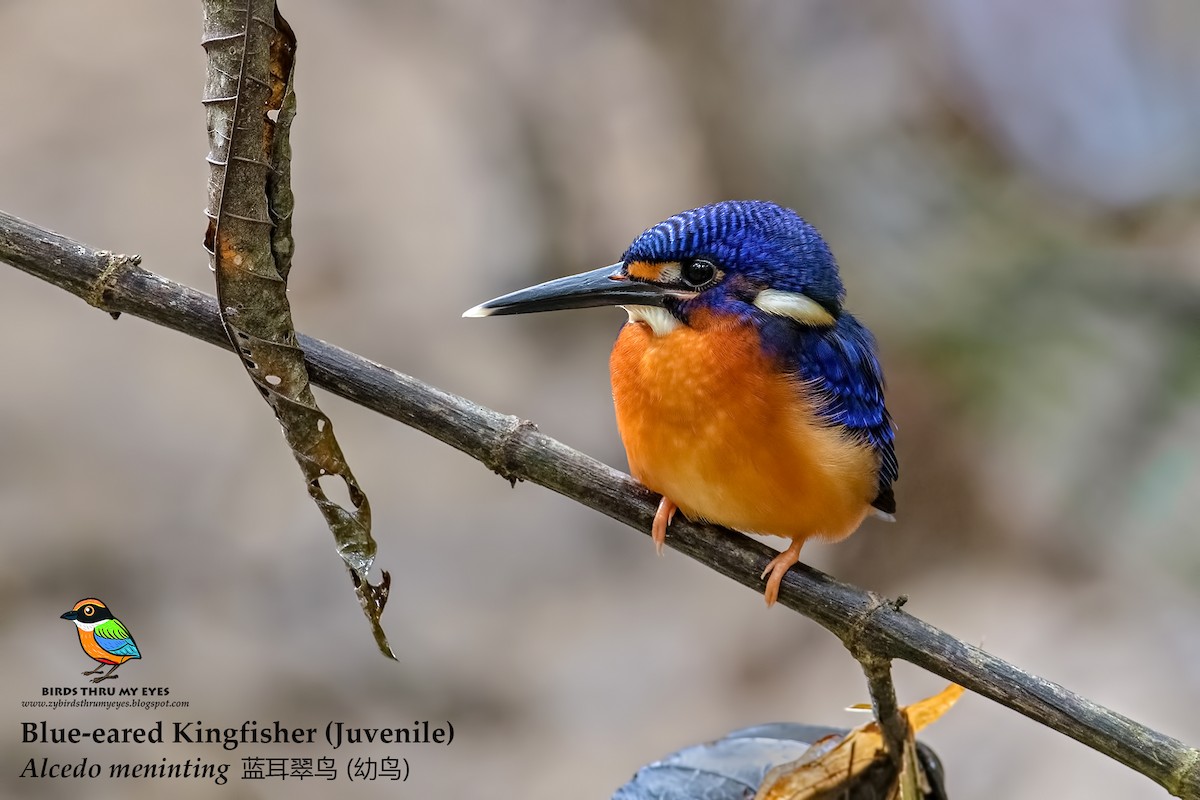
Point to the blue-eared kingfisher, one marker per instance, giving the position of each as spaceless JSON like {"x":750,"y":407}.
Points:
{"x":745,"y":394}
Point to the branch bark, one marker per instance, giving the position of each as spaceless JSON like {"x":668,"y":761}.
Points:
{"x":515,"y":449}
{"x":892,"y":723}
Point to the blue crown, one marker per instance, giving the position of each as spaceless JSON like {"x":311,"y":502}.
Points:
{"x":761,"y":240}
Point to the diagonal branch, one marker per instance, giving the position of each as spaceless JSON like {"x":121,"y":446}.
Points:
{"x":518,"y":451}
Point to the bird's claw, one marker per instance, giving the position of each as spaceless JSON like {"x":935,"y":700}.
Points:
{"x":662,"y":518}
{"x":777,"y":567}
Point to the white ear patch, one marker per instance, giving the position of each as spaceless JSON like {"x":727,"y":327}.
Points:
{"x":660,"y":320}
{"x":799,"y":307}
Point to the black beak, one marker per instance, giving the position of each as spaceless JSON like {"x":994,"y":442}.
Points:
{"x":71,"y":615}
{"x":607,"y":286}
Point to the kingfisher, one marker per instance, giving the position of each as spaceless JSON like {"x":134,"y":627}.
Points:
{"x":745,"y":394}
{"x":103,"y":637}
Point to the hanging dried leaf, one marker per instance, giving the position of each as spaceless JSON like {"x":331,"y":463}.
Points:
{"x":250,"y":104}
{"x":859,"y":761}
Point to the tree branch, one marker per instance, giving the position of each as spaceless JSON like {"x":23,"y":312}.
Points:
{"x":892,"y":723}
{"x":518,"y":451}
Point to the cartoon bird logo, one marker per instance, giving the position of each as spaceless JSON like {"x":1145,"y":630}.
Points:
{"x":102,"y":636}
{"x":745,"y":394}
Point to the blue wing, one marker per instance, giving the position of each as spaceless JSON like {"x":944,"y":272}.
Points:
{"x":114,"y":638}
{"x":840,"y":363}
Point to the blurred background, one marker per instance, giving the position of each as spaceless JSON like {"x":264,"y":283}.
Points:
{"x":1011,"y":190}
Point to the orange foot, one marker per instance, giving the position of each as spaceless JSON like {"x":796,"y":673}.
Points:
{"x":662,"y":518}
{"x":779,"y":565}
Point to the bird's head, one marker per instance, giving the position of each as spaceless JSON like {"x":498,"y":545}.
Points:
{"x":735,"y":257}
{"x":88,"y":612}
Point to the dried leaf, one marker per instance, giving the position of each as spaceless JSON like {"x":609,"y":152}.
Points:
{"x":251,"y":60}
{"x":859,"y":759}
{"x":925,"y":712}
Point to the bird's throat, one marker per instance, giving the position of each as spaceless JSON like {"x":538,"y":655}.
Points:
{"x":660,"y":321}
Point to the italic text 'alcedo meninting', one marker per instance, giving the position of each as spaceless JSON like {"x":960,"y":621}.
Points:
{"x":745,"y":394}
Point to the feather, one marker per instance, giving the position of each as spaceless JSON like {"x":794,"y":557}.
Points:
{"x":839,"y":365}
{"x":114,"y":638}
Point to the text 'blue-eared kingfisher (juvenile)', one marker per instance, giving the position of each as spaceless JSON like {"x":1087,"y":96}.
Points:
{"x":745,"y":394}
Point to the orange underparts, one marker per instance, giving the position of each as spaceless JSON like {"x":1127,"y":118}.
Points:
{"x":88,"y":640}
{"x":709,"y":421}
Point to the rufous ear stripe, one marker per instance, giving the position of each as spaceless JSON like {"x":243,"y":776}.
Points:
{"x":657,"y":271}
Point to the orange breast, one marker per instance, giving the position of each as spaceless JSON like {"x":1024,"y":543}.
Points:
{"x":88,"y":640}
{"x":708,"y":421}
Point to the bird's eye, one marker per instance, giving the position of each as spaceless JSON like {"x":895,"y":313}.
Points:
{"x":88,"y":611}
{"x":697,"y":273}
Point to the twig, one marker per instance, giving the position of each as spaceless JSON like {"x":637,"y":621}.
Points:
{"x":519,"y":451}
{"x":892,"y":723}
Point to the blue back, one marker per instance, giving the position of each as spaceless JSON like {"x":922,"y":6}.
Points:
{"x":840,"y":364}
